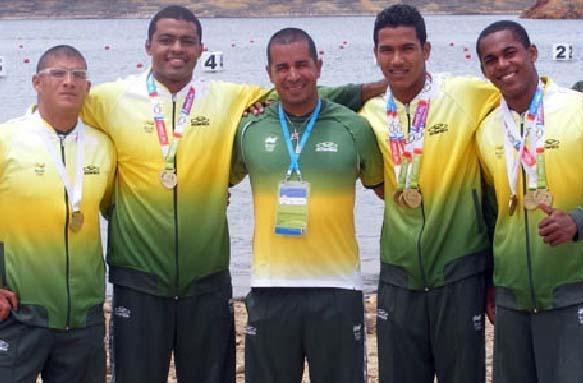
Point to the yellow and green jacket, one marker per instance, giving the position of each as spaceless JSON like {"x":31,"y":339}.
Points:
{"x":445,"y":239}
{"x":528,"y":274}
{"x":169,"y":242}
{"x":57,"y":274}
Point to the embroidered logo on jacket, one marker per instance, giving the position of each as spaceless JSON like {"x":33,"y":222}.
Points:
{"x":149,"y":127}
{"x":552,"y":143}
{"x":91,"y":170}
{"x":122,"y":312}
{"x":477,"y":321}
{"x":327,"y":147}
{"x":4,"y":346}
{"x":499,"y":152}
{"x":200,"y":121}
{"x":438,"y":129}
{"x":270,"y":143}
{"x":39,"y":168}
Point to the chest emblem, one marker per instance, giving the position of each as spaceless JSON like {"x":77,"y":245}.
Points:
{"x":39,"y":168}
{"x":270,"y":143}
{"x":327,"y":147}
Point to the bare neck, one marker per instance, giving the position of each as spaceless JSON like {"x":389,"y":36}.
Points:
{"x":173,"y":86}
{"x":521,"y":102}
{"x":300,"y":110}
{"x":407,"y":95}
{"x":61,"y":121}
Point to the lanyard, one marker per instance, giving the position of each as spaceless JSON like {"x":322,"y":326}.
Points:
{"x":516,"y":146}
{"x":294,"y":155}
{"x":406,"y":153}
{"x":74,"y":191}
{"x":169,"y":150}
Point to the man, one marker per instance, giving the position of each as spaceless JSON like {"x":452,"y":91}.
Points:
{"x":434,"y":244}
{"x":538,"y":255}
{"x":55,"y":176}
{"x":303,"y":157}
{"x":168,"y":244}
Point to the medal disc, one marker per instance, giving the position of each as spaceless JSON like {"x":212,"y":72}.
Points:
{"x":168,"y":179}
{"x":529,"y":201}
{"x":543,"y":196}
{"x":512,"y":203}
{"x":397,"y":197}
{"x":76,"y":222}
{"x":412,"y":198}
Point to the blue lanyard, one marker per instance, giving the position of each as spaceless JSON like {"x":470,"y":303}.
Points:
{"x":294,"y":155}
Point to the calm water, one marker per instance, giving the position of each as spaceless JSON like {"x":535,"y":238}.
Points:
{"x":243,"y":43}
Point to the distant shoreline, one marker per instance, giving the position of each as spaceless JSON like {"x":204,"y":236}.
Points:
{"x":203,"y":17}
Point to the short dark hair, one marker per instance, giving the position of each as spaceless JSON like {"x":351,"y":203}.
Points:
{"x":504,"y":25}
{"x":176,"y":12}
{"x":58,"y":50}
{"x":400,"y":15}
{"x":291,"y":35}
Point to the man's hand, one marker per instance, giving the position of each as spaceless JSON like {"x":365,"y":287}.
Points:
{"x":380,"y":191}
{"x":559,"y":227}
{"x":257,"y":108}
{"x":491,"y":304}
{"x":8,"y":302}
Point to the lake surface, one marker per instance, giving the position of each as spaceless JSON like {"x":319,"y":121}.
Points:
{"x":243,"y":42}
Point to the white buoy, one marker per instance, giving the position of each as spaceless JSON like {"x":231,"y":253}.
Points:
{"x":562,"y":51}
{"x":2,"y":67}
{"x":212,"y":61}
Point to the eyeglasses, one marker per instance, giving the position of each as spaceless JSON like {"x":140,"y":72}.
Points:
{"x":61,"y":73}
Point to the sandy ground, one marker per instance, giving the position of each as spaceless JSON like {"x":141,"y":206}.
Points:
{"x":371,"y":343}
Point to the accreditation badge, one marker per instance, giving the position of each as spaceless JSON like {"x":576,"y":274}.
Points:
{"x":291,"y":215}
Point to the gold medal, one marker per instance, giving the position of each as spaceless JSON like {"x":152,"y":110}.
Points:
{"x":543,"y":196}
{"x":412,"y":198}
{"x":512,"y":203}
{"x":397,"y":197}
{"x":529,"y":200}
{"x":76,"y":222}
{"x":168,"y":179}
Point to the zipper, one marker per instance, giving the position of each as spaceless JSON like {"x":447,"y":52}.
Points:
{"x":420,"y":259}
{"x":528,"y":254}
{"x":175,"y":206}
{"x":66,"y":232}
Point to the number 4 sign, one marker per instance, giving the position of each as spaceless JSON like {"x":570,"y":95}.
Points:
{"x":212,"y":61}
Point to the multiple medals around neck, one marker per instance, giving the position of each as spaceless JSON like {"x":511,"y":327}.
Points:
{"x":74,"y":190}
{"x":406,"y":153}
{"x":518,"y":149}
{"x":168,"y":177}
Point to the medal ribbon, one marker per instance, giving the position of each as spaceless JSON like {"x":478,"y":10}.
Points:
{"x":406,"y":153}
{"x":533,"y":136}
{"x":74,"y":191}
{"x":294,"y":155}
{"x":169,"y":150}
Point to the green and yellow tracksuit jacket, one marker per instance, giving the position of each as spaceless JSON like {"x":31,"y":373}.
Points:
{"x":445,"y":239}
{"x":57,"y":274}
{"x":529,"y":274}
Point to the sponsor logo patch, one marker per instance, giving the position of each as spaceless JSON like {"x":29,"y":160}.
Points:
{"x":270,"y":143}
{"x":438,"y":129}
{"x":91,"y":170}
{"x":382,"y":314}
{"x":4,"y":346}
{"x":327,"y":147}
{"x":552,"y":143}
{"x":499,"y":152}
{"x":149,"y":127}
{"x":39,"y":168}
{"x":357,"y":331}
{"x":477,"y":321}
{"x":250,"y":330}
{"x":122,"y":312}
{"x":580,"y":315}
{"x":200,"y":121}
